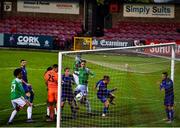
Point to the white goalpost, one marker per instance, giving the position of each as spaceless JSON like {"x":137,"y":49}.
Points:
{"x":121,"y":51}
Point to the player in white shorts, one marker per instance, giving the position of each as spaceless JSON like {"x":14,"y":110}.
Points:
{"x":17,"y":96}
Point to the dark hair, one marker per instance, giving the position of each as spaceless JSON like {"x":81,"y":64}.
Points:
{"x":106,"y":77}
{"x":49,"y":68}
{"x":22,"y":60}
{"x":165,"y":73}
{"x":55,"y":65}
{"x":17,"y":71}
{"x":83,"y":61}
{"x":67,"y":68}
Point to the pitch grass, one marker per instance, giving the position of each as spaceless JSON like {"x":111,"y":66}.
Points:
{"x":138,"y":99}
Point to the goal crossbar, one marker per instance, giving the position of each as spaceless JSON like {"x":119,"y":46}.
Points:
{"x":120,"y":48}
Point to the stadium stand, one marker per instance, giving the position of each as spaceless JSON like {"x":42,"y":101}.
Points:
{"x":64,"y":29}
{"x":128,"y":30}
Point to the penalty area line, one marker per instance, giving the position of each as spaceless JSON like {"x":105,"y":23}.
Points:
{"x":12,"y":68}
{"x":37,"y":105}
{"x":127,"y":98}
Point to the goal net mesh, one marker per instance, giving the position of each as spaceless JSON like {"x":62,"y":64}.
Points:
{"x":133,"y":97}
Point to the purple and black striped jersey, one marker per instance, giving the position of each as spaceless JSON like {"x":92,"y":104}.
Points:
{"x":167,"y":85}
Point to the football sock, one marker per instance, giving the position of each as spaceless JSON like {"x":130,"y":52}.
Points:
{"x":29,"y":112}
{"x":171,"y":114}
{"x":51,"y":108}
{"x":55,"y":111}
{"x":48,"y":113}
{"x":105,"y":110}
{"x":13,"y":114}
{"x":167,"y":113}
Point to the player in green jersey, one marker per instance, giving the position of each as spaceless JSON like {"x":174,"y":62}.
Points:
{"x":17,"y":94}
{"x":81,"y":90}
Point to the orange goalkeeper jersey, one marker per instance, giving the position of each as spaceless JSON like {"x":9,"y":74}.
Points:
{"x":51,"y":78}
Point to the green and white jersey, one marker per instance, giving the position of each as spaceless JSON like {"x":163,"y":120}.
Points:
{"x":84,"y":75}
{"x":17,"y":90}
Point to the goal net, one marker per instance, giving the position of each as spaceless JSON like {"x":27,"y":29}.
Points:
{"x":113,"y":87}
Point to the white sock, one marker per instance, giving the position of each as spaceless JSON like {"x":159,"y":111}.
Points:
{"x":55,"y":111}
{"x":48,"y":112}
{"x":13,"y":114}
{"x":29,"y":112}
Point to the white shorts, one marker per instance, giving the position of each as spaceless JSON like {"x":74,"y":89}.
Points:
{"x":18,"y":102}
{"x":83,"y":89}
{"x":76,"y":79}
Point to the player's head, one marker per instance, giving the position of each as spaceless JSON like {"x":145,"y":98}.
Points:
{"x":49,"y":68}
{"x":106,"y":79}
{"x":67,"y":71}
{"x":83,"y":63}
{"x":164,"y":75}
{"x":23,"y":63}
{"x":55,"y":67}
{"x":18,"y":73}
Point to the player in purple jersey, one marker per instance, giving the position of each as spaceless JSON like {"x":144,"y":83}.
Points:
{"x":27,"y":88}
{"x":110,"y":95}
{"x":103,"y":93}
{"x":67,"y":91}
{"x":167,"y":86}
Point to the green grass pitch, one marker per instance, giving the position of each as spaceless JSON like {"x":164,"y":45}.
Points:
{"x":138,"y":99}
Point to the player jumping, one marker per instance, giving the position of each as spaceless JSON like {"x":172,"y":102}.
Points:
{"x":103,"y":93}
{"x":82,"y":88}
{"x":28,"y":89}
{"x":167,"y":85}
{"x":67,"y":92}
{"x":51,"y":78}
{"x":17,"y":94}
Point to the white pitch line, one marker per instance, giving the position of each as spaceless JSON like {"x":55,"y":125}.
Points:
{"x":133,"y":98}
{"x":12,"y":109}
{"x":12,"y":68}
{"x":128,"y":98}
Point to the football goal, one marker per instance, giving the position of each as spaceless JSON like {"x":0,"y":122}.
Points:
{"x":113,"y":87}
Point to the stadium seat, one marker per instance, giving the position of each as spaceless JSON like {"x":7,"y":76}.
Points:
{"x":42,"y":26}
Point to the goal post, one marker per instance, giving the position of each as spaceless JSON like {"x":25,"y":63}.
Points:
{"x":67,"y":59}
{"x":173,"y":56}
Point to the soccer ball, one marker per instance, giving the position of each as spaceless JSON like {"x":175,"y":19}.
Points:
{"x":79,"y":96}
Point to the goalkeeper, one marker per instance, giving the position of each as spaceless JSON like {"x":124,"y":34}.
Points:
{"x":103,"y":93}
{"x":82,"y":88}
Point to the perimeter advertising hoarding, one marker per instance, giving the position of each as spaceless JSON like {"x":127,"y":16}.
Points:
{"x":148,"y":10}
{"x":102,"y":43}
{"x":39,"y":6}
{"x":162,"y":50}
{"x":28,"y":41}
{"x":1,"y":39}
